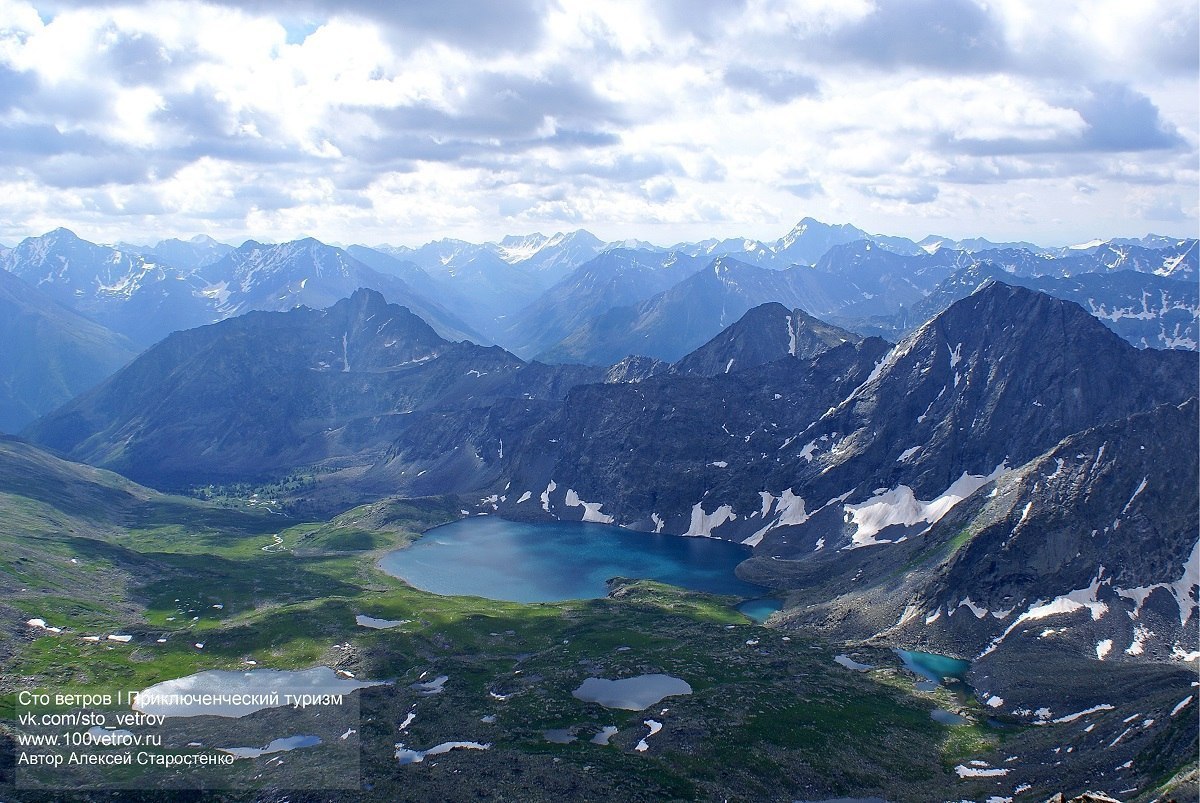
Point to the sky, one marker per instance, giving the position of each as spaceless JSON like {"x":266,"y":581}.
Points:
{"x":665,"y":120}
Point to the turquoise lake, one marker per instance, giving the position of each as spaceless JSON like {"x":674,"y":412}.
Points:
{"x":760,"y":609}
{"x":486,"y":556}
{"x":933,"y":666}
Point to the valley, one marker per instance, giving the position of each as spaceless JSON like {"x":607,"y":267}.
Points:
{"x":770,"y":713}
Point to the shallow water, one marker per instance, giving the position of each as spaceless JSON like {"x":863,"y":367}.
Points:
{"x":932,"y":666}
{"x":760,"y":609}
{"x":490,"y":557}
{"x":606,"y":733}
{"x":947,"y":717}
{"x":276,"y":746}
{"x":362,"y":620}
{"x":631,"y":694}
{"x":850,"y":663}
{"x":406,"y":755}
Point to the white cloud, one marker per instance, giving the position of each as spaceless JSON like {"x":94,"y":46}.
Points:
{"x":662,"y":120}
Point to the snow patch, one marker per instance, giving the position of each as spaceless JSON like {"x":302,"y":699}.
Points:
{"x":972,"y":607}
{"x":1077,"y":715}
{"x":654,"y":726}
{"x":1141,"y":635}
{"x":591,"y":510}
{"x":1071,"y":602}
{"x":1103,"y":648}
{"x":703,"y":524}
{"x":980,"y":772}
{"x":40,"y":624}
{"x":900,"y":506}
{"x":1182,"y":589}
{"x":550,"y":486}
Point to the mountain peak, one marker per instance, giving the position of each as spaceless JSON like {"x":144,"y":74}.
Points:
{"x":764,"y":334}
{"x":61,"y":234}
{"x":366,"y":298}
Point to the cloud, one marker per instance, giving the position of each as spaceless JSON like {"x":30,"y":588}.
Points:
{"x":1114,"y":118}
{"x":910,"y":192}
{"x":701,"y":18}
{"x":484,"y":25}
{"x":135,"y":58}
{"x":803,"y":189}
{"x":944,"y":35}
{"x":776,"y":86}
{"x":494,"y":112}
{"x":712,"y":118}
{"x":1121,"y":119}
{"x":15,"y":87}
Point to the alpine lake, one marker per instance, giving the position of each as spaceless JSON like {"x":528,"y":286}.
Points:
{"x":486,"y":556}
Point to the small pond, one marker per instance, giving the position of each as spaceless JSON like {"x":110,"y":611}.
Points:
{"x":760,"y":609}
{"x":283,"y":745}
{"x":631,"y":694}
{"x":934,"y":667}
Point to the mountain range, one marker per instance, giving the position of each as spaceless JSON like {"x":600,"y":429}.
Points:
{"x":831,"y":454}
{"x":975,"y":449}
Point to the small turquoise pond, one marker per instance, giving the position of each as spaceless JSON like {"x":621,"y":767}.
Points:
{"x":760,"y":609}
{"x":934,"y":667}
{"x":486,"y":556}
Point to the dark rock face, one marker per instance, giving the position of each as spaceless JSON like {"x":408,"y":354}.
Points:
{"x":1098,"y":532}
{"x":1106,"y":518}
{"x":656,"y":450}
{"x":996,"y":379}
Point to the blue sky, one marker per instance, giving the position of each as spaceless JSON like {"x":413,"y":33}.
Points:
{"x":665,"y":120}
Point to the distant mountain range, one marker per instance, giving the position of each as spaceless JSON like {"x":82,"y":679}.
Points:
{"x":572,"y":298}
